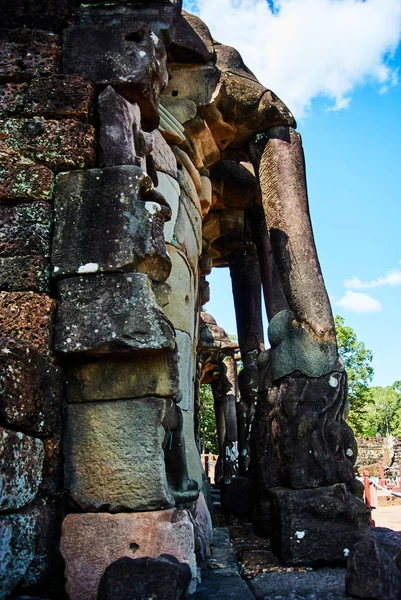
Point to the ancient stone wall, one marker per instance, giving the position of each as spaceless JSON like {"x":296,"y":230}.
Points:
{"x":136,"y":154}
{"x":375,"y":449}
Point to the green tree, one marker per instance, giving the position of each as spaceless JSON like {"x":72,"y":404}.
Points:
{"x":383,"y":413}
{"x":357,"y":361}
{"x":208,"y":431}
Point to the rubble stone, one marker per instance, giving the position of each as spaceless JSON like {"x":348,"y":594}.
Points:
{"x":21,"y":460}
{"x":135,"y":535}
{"x":100,"y":314}
{"x":30,"y":389}
{"x":28,"y":316}
{"x":114,"y":458}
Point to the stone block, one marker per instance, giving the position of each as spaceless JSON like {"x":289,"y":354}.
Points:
{"x":204,"y":150}
{"x":188,"y":231}
{"x":61,"y":96}
{"x":193,"y":460}
{"x":60,"y":145}
{"x":28,"y":541}
{"x":50,"y":15}
{"x":128,"y":377}
{"x":25,"y":230}
{"x":180,"y":309}
{"x":316,"y":526}
{"x":121,"y":139}
{"x":163,"y":157}
{"x":192,"y":41}
{"x":120,"y":227}
{"x":21,"y":460}
{"x":374,"y":565}
{"x":26,"y":53}
{"x":163,"y":578}
{"x":28,"y":316}
{"x":114,"y":457}
{"x":193,"y":82}
{"x":12,"y":99}
{"x":186,"y":369}
{"x":146,"y":534}
{"x":22,"y":178}
{"x":30,"y":389}
{"x":203,"y":529}
{"x":102,"y":314}
{"x":125,"y":54}
{"x":170,"y":190}
{"x":21,"y":273}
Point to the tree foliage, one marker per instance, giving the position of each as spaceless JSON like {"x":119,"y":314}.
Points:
{"x":208,"y":431}
{"x":383,"y":412}
{"x":357,"y":361}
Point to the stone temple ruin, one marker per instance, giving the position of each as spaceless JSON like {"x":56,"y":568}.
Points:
{"x":137,"y":153}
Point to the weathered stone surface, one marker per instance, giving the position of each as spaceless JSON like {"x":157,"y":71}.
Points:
{"x":21,"y":460}
{"x":193,"y":460}
{"x":192,"y":41}
{"x":122,"y":439}
{"x":374,"y":565}
{"x":26,"y":53}
{"x":163,"y":578}
{"x":193,"y":82}
{"x":163,"y":157}
{"x":110,"y":313}
{"x":23,"y":179}
{"x":203,"y":529}
{"x":136,"y":534}
{"x":318,"y":447}
{"x":181,"y":108}
{"x":59,"y":145}
{"x":279,"y":158}
{"x":20,"y":273}
{"x":316,"y":526}
{"x":27,"y":316}
{"x":170,"y":190}
{"x":186,"y":369}
{"x":120,"y":225}
{"x":321,"y":584}
{"x":17,"y":549}
{"x":233,"y":186}
{"x":30,"y":389}
{"x":204,"y":148}
{"x":205,"y":195}
{"x":127,"y":377}
{"x":25,"y":230}
{"x":61,"y":96}
{"x":52,"y":466}
{"x":188,"y":231}
{"x":121,"y":139}
{"x":187,"y":168}
{"x":295,"y":349}
{"x":123,"y":54}
{"x":50,"y":15}
{"x":180,"y":309}
{"x":171,"y":129}
{"x":12,"y":99}
{"x":27,"y":547}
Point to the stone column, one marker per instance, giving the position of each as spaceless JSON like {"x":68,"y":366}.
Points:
{"x":302,"y":440}
{"x":246,"y":285}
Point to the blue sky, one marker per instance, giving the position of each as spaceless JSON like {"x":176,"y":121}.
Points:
{"x":335,"y":63}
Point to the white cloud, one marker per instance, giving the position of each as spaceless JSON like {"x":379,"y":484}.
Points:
{"x":392,"y":278}
{"x":359,"y":303}
{"x":309,"y":48}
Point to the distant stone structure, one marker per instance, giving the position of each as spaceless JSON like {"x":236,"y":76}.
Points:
{"x":136,"y":153}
